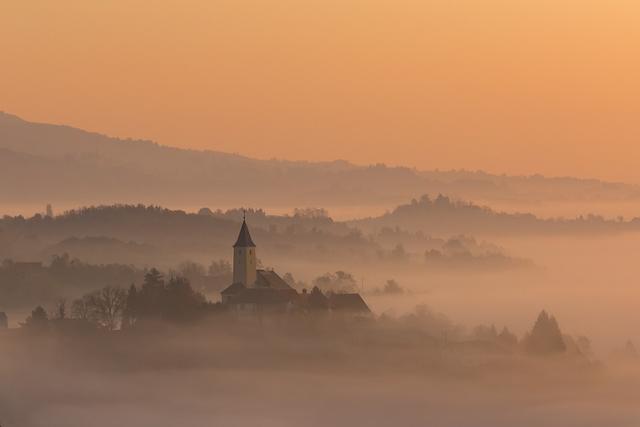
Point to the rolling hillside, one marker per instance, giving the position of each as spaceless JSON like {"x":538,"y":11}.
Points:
{"x":43,"y":163}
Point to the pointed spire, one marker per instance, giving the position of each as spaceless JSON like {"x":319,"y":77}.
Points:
{"x":244,"y":238}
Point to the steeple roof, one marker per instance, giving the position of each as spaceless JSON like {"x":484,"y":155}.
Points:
{"x":244,"y":238}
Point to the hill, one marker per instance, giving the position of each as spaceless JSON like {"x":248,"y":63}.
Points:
{"x":443,"y":215}
{"x":66,"y":166}
{"x":152,"y":236}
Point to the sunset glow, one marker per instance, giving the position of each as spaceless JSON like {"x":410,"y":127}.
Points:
{"x":515,"y":87}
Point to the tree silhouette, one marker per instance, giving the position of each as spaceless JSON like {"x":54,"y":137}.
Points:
{"x":545,"y":338}
{"x":38,"y":320}
{"x":104,"y":307}
{"x":157,"y":299}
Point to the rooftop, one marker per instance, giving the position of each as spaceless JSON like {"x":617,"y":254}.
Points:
{"x":244,"y":238}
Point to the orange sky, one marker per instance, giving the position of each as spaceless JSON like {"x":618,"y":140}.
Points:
{"x":515,"y":86}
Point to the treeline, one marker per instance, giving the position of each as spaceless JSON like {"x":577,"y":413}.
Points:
{"x":24,"y":284}
{"x":458,"y":253}
{"x":443,"y":215}
{"x":545,"y":337}
{"x":299,"y":219}
{"x":162,"y":301}
{"x":157,"y":299}
{"x":167,"y":234}
{"x":151,"y":235}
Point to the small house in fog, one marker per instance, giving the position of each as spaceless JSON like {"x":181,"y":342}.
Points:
{"x":4,"y":320}
{"x":348,"y":304}
{"x":263,"y":291}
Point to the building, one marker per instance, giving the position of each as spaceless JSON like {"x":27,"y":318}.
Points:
{"x":348,"y":304}
{"x":263,"y":291}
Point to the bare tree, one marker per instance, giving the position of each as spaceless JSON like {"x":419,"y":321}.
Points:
{"x":106,"y":306}
{"x":60,"y":311}
{"x":80,"y":309}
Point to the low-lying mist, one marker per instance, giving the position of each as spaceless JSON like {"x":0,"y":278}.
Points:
{"x":303,"y":372}
{"x":446,"y":363}
{"x":590,"y":283}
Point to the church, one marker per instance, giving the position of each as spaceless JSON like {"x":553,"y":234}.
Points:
{"x":263,"y":291}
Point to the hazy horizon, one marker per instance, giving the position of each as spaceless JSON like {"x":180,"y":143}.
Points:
{"x":357,"y":161}
{"x":353,"y":161}
{"x":319,"y":213}
{"x":517,"y":88}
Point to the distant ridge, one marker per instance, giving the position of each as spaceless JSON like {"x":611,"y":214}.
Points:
{"x":62,"y":164}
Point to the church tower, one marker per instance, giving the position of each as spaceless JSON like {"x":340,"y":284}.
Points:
{"x":244,"y":258}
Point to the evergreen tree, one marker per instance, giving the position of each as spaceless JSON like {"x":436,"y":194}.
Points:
{"x":545,"y":338}
{"x":38,"y":320}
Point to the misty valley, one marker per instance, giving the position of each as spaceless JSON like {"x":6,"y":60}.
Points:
{"x":416,"y":316}
{"x":353,"y":295}
{"x":285,"y":213}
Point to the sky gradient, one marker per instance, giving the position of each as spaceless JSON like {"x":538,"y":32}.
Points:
{"x":509,"y":86}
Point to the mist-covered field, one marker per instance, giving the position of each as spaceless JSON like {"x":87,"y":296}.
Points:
{"x":312,"y":374}
{"x":242,"y":374}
